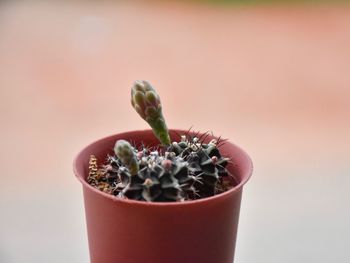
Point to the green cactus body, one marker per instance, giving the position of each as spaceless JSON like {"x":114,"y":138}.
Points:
{"x":146,"y":102}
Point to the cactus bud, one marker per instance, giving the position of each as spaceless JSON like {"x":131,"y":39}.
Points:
{"x":125,"y":152}
{"x":146,"y":102}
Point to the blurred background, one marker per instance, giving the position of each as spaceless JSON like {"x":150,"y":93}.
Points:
{"x":271,"y":76}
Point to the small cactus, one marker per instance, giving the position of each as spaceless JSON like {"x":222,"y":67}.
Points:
{"x":146,"y":102}
{"x":182,"y":170}
{"x":153,"y":183}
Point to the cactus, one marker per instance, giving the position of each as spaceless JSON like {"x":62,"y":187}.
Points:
{"x":154,"y":182}
{"x":185,"y":170}
{"x":204,"y":161}
{"x":146,"y":102}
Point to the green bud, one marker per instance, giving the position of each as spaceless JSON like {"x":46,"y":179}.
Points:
{"x":125,"y":152}
{"x":146,"y":102}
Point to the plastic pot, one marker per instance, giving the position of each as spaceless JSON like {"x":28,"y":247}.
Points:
{"x":128,"y":231}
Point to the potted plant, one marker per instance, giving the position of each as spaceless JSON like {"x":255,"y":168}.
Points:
{"x":161,"y":196}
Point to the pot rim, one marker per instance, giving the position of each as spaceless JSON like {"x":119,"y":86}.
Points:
{"x":213,"y":198}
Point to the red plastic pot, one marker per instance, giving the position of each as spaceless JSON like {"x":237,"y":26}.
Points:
{"x":128,"y":231}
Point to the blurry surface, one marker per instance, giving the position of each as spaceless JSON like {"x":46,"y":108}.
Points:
{"x":275,"y":80}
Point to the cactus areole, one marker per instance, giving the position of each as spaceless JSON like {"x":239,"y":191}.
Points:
{"x":188,"y":169}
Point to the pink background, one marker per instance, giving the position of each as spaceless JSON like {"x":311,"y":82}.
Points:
{"x":273,"y":79}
